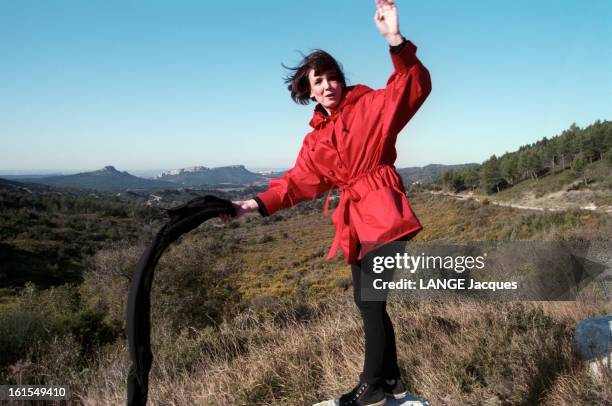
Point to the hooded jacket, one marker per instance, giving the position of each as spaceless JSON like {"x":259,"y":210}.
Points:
{"x":354,"y":150}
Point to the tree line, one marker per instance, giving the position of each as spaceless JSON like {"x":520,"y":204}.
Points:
{"x":574,"y":148}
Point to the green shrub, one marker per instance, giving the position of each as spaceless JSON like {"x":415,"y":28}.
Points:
{"x":90,"y":330}
{"x":34,"y":317}
{"x":19,"y":331}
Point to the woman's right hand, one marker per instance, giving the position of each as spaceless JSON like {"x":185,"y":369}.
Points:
{"x":242,"y":207}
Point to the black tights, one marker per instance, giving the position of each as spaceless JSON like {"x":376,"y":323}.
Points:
{"x":380,"y":351}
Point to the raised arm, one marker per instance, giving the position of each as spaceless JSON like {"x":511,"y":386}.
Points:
{"x":410,"y":83}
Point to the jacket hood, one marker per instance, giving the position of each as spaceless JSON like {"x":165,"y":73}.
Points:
{"x":351,"y":95}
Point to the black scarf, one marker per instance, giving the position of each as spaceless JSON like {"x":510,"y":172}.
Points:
{"x":183,"y":219}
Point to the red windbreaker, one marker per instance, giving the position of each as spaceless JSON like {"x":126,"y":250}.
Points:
{"x":354,"y":150}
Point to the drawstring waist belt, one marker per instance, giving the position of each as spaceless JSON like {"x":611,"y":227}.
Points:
{"x":383,"y":175}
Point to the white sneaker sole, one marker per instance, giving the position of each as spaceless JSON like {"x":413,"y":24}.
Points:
{"x":397,"y":395}
{"x":335,"y":403}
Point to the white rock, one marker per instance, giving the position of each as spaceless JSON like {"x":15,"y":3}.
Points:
{"x":594,"y":343}
{"x":408,"y":400}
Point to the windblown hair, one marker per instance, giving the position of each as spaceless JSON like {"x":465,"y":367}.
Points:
{"x":321,"y":62}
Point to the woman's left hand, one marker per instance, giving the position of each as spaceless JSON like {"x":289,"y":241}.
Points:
{"x":387,"y":21}
{"x":241,"y":207}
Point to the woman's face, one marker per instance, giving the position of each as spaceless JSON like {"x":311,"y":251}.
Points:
{"x":325,"y":89}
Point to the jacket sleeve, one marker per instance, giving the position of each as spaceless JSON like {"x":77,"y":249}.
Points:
{"x":406,"y":89}
{"x":298,"y":184}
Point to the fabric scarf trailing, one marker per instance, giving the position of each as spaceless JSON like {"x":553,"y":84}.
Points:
{"x":183,"y":219}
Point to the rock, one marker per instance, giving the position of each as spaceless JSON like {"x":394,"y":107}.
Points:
{"x":594,"y":343}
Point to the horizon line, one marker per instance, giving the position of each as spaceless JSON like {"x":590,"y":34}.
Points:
{"x":25,"y":172}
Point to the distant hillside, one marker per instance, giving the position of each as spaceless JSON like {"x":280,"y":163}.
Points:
{"x":424,"y":174}
{"x":203,"y":176}
{"x":47,"y":232}
{"x":428,"y":173}
{"x":110,"y":179}
{"x":7,"y":185}
{"x":107,"y":179}
{"x":563,"y":190}
{"x":273,"y":175}
{"x":172,"y":197}
{"x":30,"y":176}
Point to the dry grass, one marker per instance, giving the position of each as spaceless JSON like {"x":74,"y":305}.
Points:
{"x":450,"y":353}
{"x":299,"y":341}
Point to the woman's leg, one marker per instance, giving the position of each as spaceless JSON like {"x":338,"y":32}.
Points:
{"x":380,"y":347}
{"x":372,"y":315}
{"x":390,"y":367}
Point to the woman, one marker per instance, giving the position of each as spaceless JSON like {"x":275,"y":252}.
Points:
{"x":352,"y":147}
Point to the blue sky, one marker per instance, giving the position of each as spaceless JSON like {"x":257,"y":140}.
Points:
{"x":169,"y":84}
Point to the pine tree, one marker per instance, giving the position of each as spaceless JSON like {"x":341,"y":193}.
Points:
{"x":587,"y":144}
{"x":535,"y":163}
{"x":509,"y":169}
{"x":599,"y":139}
{"x":471,"y":178}
{"x":564,"y":148}
{"x":447,"y":178}
{"x":523,"y":164}
{"x":550,"y":154}
{"x":579,"y":165}
{"x":490,"y":176}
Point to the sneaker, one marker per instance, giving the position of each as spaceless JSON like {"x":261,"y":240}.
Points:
{"x":364,"y":394}
{"x":394,"y":387}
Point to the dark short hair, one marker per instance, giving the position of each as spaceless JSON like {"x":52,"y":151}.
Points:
{"x":318,"y":60}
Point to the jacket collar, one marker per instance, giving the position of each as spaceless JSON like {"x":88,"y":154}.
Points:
{"x":351,"y":95}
